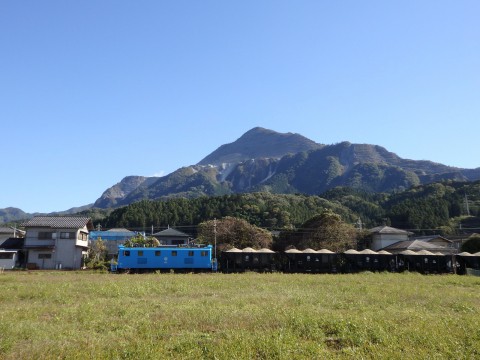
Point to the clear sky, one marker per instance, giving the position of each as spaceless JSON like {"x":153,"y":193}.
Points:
{"x":93,"y":91}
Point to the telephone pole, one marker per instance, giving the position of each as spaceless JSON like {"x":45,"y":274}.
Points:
{"x":466,"y":205}
{"x":215,"y":240}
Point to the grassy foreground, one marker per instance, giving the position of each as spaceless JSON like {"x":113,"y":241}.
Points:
{"x":75,"y":315}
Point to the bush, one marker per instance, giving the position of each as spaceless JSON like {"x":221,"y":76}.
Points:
{"x":472,"y":245}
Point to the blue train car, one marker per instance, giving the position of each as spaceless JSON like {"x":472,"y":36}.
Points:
{"x":138,"y":259}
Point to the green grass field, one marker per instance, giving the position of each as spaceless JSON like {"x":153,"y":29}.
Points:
{"x":76,"y":315}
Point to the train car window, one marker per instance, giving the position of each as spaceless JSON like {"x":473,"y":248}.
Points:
{"x":190,"y":253}
{"x":203,"y":253}
{"x":157,"y":252}
{"x":126,"y":253}
{"x":174,"y":253}
{"x":140,"y":252}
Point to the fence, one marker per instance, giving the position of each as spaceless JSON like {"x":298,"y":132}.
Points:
{"x":473,"y":272}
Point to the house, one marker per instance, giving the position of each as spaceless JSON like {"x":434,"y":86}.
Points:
{"x":9,"y":232}
{"x":383,"y":236}
{"x":172,"y":237}
{"x":56,"y":242}
{"x":12,"y":253}
{"x":112,"y":238}
{"x":436,"y":240}
{"x":418,"y":245}
{"x":459,"y":240}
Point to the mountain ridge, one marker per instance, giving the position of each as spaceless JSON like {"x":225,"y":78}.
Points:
{"x":265,"y":160}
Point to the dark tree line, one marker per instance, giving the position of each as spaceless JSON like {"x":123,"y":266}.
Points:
{"x":435,"y":207}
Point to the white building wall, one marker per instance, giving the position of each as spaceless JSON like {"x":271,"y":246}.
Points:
{"x":41,"y":259}
{"x":380,"y":241}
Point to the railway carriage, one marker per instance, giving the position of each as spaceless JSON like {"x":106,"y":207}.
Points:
{"x":181,"y":258}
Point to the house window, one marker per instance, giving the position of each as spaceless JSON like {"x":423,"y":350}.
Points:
{"x":5,"y":256}
{"x":44,"y":256}
{"x":44,"y":235}
{"x":82,"y":236}
{"x":67,"y":235}
{"x":126,"y":253}
{"x":190,"y":253}
{"x":140,"y":252}
{"x":174,"y":253}
{"x":157,"y":252}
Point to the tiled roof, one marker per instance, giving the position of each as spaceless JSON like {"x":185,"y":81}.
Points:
{"x":122,"y":230}
{"x":171,"y":232}
{"x":414,"y":245}
{"x":59,"y":222}
{"x":387,"y":230}
{"x":429,"y":238}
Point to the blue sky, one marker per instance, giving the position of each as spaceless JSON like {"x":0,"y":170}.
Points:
{"x":93,"y":91}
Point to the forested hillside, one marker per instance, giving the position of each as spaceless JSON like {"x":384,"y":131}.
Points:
{"x":425,"y":208}
{"x":262,"y":209}
{"x":438,"y":207}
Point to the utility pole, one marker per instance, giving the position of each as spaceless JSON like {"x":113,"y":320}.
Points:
{"x":466,"y":204}
{"x":215,"y":240}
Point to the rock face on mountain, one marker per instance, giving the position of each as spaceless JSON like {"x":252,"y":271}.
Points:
{"x":263,"y":160}
{"x":115,"y":194}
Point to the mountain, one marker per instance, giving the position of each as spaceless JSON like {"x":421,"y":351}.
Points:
{"x":12,"y":214}
{"x":260,"y":143}
{"x":264,"y":160}
{"x":115,"y":194}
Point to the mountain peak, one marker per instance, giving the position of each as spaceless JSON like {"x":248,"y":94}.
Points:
{"x":260,"y":143}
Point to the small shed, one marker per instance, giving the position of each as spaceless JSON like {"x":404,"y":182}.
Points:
{"x":12,"y":246}
{"x":8,"y":259}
